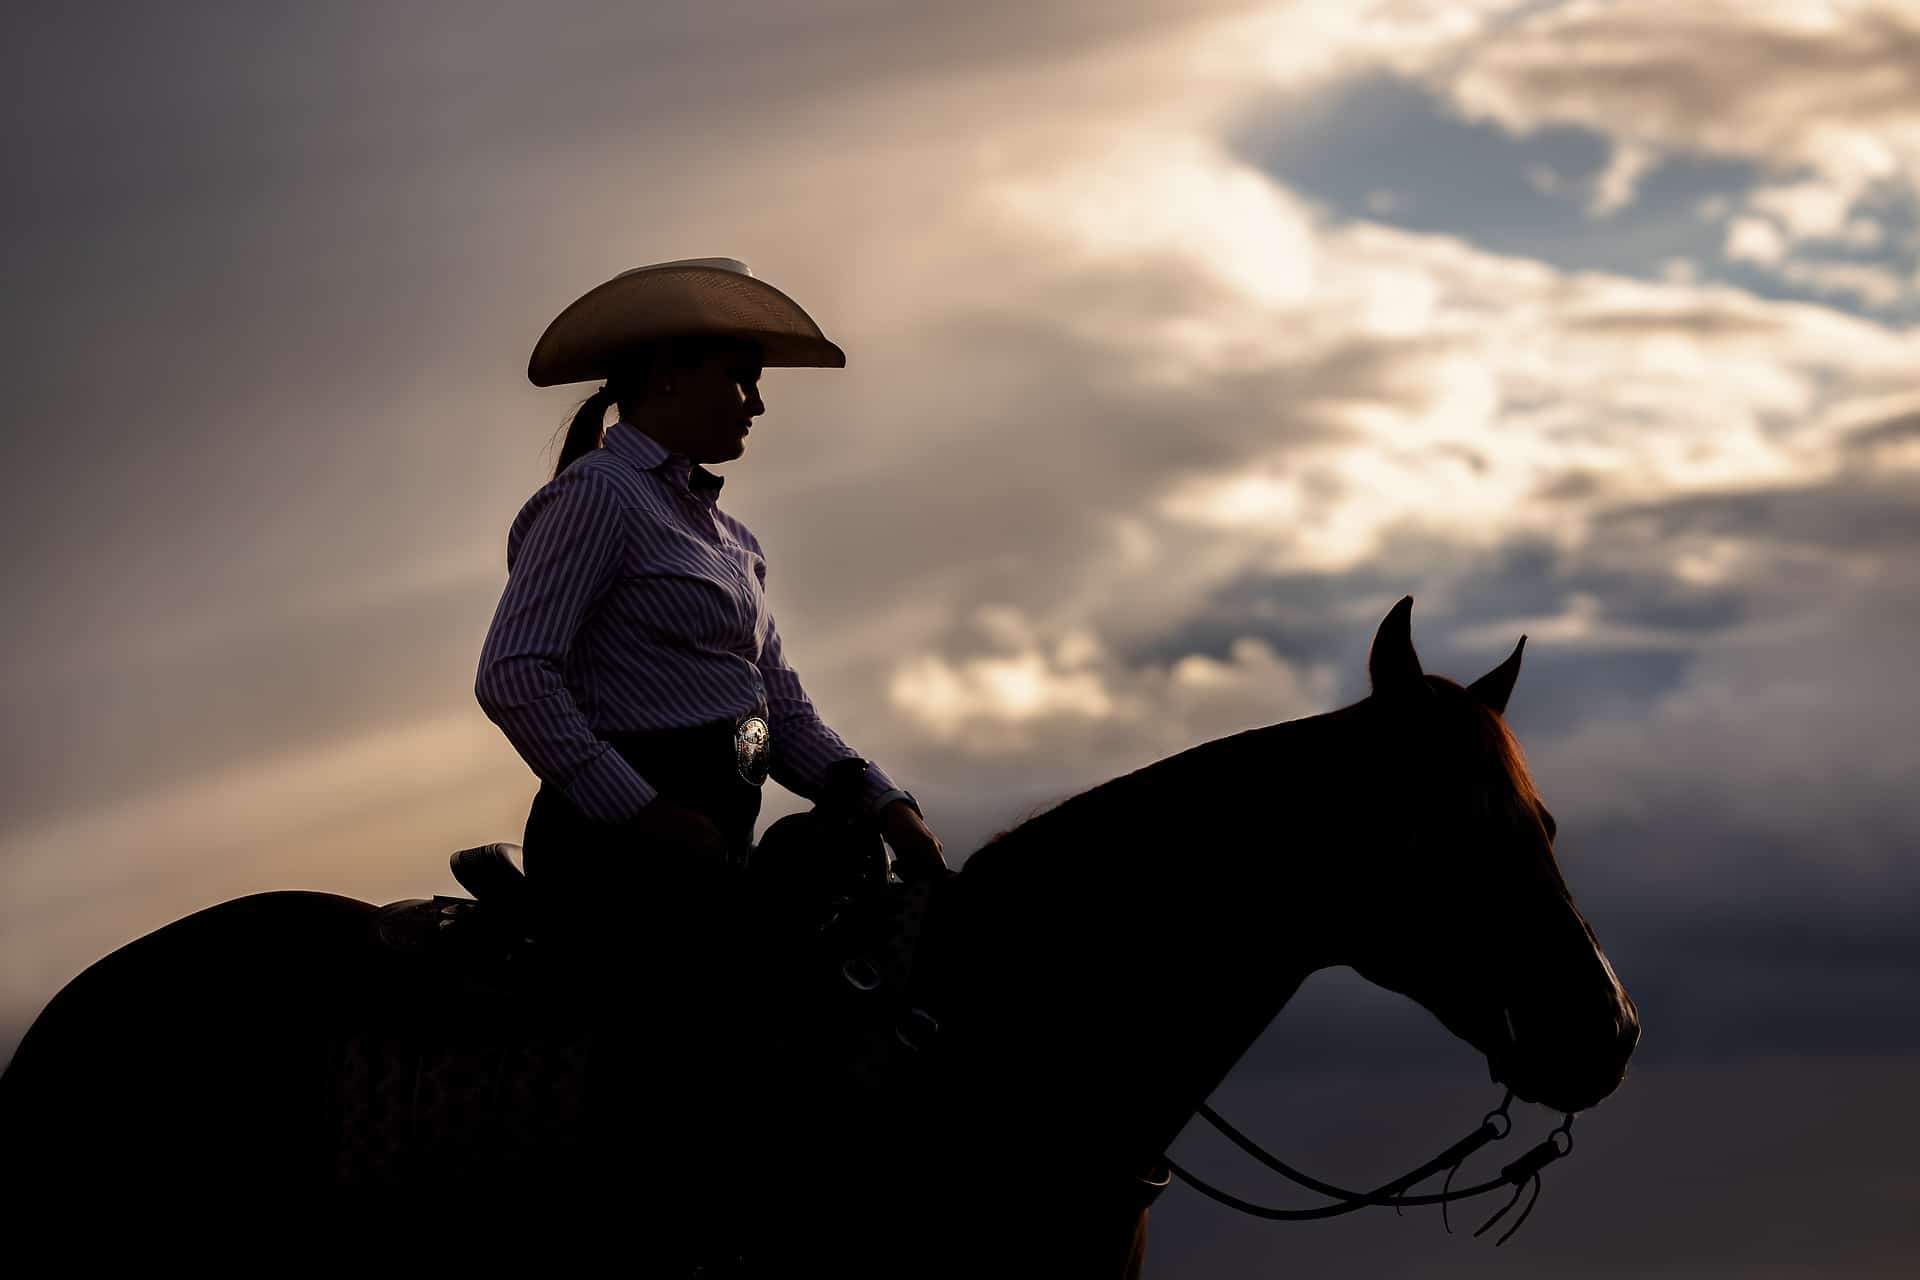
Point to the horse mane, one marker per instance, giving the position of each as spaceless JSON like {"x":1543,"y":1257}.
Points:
{"x":1488,"y":728}
{"x":1042,"y":816}
{"x":1495,"y":738}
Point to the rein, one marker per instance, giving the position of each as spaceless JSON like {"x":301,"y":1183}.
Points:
{"x":1521,"y":1175}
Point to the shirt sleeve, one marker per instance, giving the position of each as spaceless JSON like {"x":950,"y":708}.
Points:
{"x":803,"y":746}
{"x":570,"y":553}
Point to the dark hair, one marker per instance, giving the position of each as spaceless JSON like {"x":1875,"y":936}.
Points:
{"x":588,"y":425}
{"x":627,"y":385}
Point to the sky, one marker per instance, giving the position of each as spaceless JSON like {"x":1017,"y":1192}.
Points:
{"x":1183,"y":339}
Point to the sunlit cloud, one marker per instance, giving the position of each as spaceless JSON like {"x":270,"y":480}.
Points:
{"x":1030,"y":694}
{"x":1755,"y":240}
{"x":1613,"y":190}
{"x":1874,"y":285}
{"x":1824,"y":92}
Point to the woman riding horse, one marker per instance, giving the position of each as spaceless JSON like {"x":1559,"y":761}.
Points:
{"x":633,"y":661}
{"x":1089,"y":979}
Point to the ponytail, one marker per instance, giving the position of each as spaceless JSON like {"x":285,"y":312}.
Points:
{"x":589,"y":424}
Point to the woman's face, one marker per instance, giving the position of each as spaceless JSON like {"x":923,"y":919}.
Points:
{"x":711,"y":406}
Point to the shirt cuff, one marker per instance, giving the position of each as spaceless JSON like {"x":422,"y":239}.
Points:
{"x":886,"y":798}
{"x":609,"y":789}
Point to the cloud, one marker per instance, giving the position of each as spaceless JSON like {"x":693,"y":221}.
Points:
{"x":1823,"y":94}
{"x":1161,"y":404}
{"x":1809,"y":210}
{"x":1613,"y":190}
{"x":1874,"y":285}
{"x":1829,"y":87}
{"x":1755,"y":240}
{"x":1025,"y":694}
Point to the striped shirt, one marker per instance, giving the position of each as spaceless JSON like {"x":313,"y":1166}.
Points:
{"x":633,"y":602}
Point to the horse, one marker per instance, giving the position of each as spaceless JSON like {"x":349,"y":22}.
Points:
{"x":1079,"y":989}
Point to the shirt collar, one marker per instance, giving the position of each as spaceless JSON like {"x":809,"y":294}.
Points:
{"x":635,"y":446}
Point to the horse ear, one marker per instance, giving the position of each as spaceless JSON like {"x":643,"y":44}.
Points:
{"x":1495,"y":687}
{"x":1392,"y":664}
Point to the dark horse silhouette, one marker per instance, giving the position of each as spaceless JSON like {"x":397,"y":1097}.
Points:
{"x":1080,"y":988}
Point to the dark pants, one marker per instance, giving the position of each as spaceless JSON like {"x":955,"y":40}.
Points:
{"x":667,"y":943}
{"x":573,"y":860}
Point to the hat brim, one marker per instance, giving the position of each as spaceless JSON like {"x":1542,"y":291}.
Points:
{"x":610,"y":321}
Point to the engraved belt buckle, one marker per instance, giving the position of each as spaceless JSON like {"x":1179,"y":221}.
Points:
{"x":752,"y":749}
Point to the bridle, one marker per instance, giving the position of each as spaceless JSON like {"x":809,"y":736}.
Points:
{"x":918,"y":1029}
{"x":1521,"y":1175}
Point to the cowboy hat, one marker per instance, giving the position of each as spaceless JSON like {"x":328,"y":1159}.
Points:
{"x":692,"y":297}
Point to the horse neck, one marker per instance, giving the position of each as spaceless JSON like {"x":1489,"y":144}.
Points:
{"x":1130,"y":945}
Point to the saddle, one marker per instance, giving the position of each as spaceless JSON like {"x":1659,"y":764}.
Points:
{"x":481,"y":1055}
{"x":866,"y":930}
{"x":822,"y":879}
{"x":484,"y":933}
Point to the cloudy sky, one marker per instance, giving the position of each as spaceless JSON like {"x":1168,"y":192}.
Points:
{"x":1183,"y":339}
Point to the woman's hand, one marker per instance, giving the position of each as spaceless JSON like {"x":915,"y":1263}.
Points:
{"x":915,"y":847}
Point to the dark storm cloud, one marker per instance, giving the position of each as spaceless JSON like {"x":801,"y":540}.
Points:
{"x":1713,"y":982}
{"x":1306,"y":617}
{"x":1711,"y":985}
{"x":1853,"y":514}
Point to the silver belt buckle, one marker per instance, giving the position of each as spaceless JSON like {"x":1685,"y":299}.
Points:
{"x":753,"y":749}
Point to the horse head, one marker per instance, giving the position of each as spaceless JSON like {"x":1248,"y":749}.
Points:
{"x":1469,"y":915}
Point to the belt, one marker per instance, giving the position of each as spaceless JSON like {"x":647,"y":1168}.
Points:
{"x":745,"y":740}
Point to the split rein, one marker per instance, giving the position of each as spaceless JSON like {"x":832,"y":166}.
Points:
{"x":1521,"y":1175}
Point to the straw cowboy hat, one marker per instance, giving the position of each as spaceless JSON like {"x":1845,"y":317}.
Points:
{"x":719,"y":297}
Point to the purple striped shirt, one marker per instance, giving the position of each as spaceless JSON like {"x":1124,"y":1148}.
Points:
{"x":633,"y":602}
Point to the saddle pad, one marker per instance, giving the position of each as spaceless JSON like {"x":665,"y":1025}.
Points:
{"x":466,"y":1069}
{"x":416,"y":1107}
